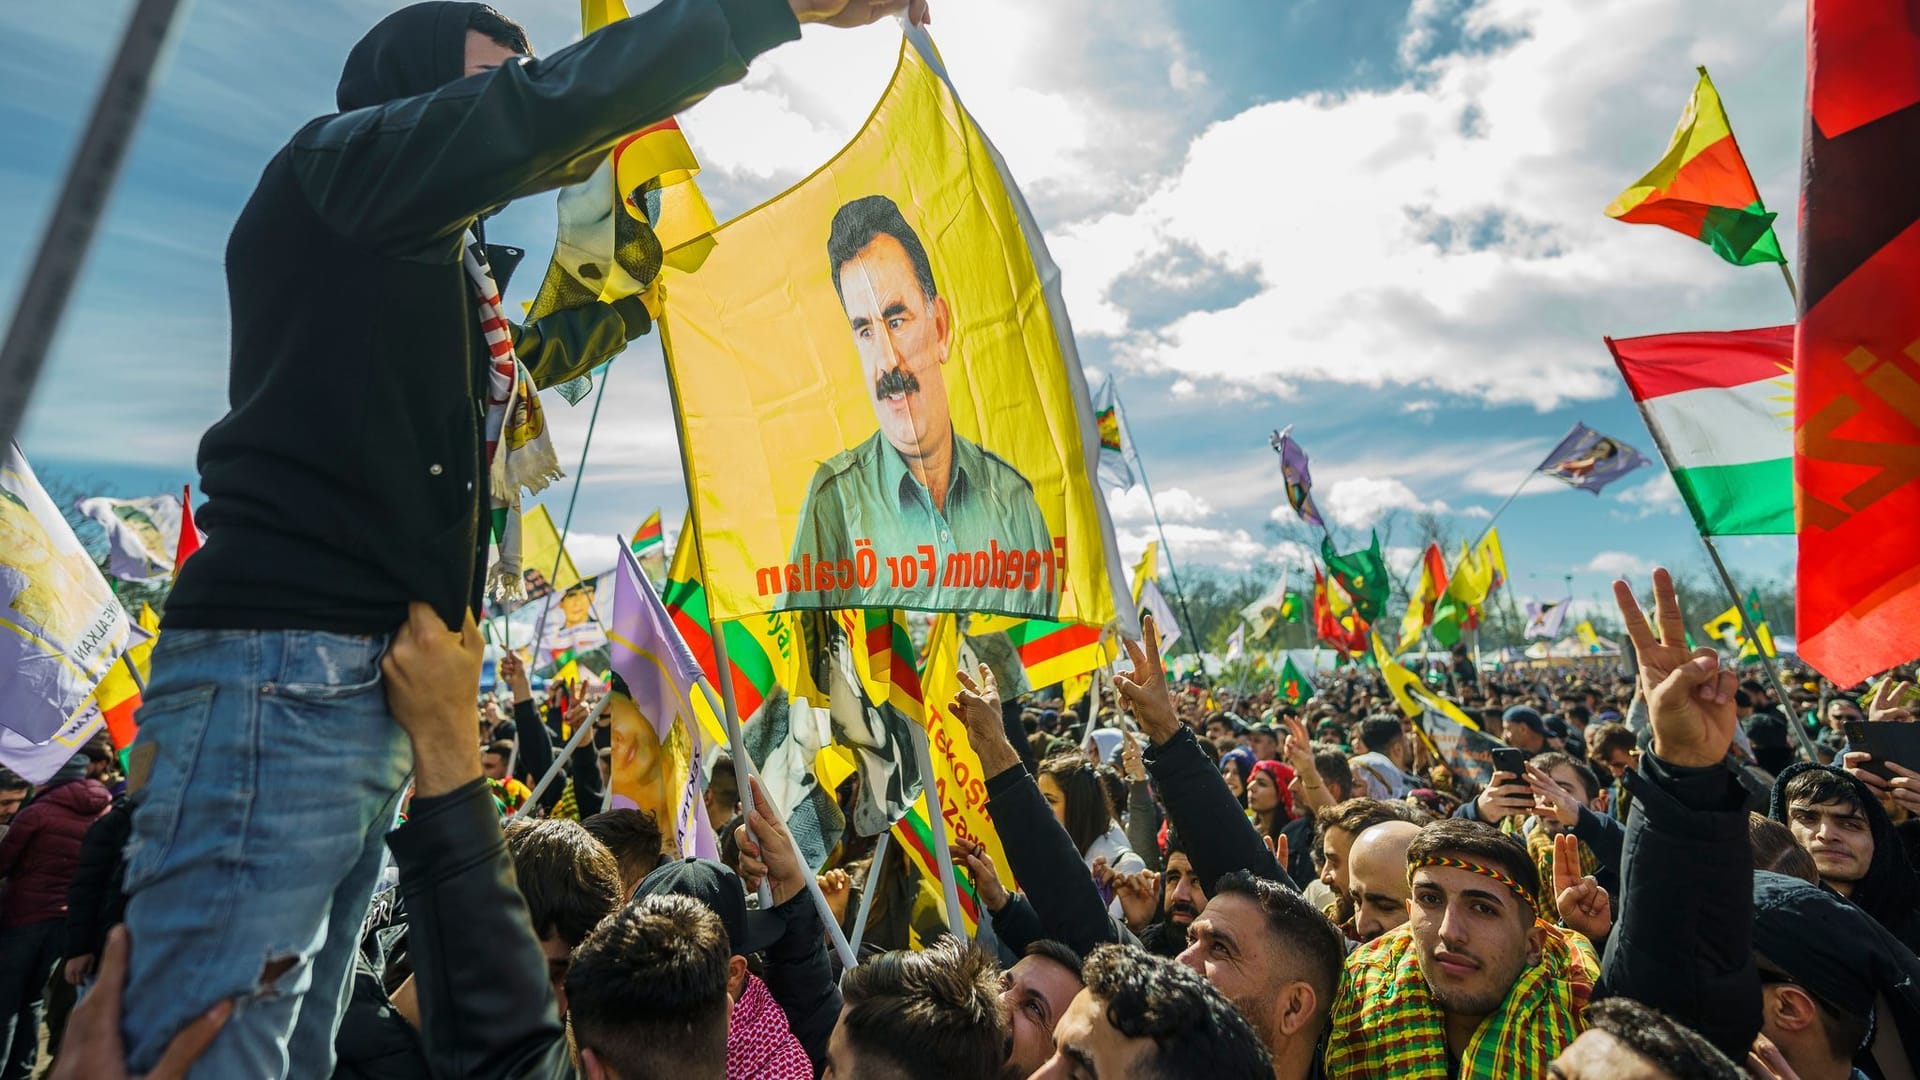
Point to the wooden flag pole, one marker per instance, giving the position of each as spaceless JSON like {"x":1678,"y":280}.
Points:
{"x":867,"y":890}
{"x":49,"y":280}
{"x":743,"y":768}
{"x":1773,"y":675}
{"x":937,"y":826}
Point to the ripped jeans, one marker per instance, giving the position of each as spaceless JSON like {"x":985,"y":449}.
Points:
{"x":257,"y":838}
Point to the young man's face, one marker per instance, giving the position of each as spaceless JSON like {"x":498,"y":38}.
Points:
{"x":901,"y":335}
{"x":10,"y":802}
{"x":1618,"y":761}
{"x":1474,"y":935}
{"x":1036,"y":992}
{"x":1231,"y":946}
{"x":494,"y":765}
{"x":1838,"y":836}
{"x":1842,"y":713}
{"x":484,"y":54}
{"x":1086,"y":1046}
{"x":1335,"y":845}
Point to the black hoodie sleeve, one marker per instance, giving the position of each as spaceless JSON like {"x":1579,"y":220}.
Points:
{"x":1213,"y":828}
{"x":401,"y":175}
{"x":799,"y":975}
{"x":1682,"y":937}
{"x":484,"y":1012}
{"x":1042,"y":858}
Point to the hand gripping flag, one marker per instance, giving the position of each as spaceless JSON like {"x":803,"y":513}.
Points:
{"x":661,"y":674}
{"x":1857,"y":349}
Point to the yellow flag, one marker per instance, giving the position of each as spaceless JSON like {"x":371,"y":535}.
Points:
{"x":1587,"y":635}
{"x":1412,"y":695}
{"x":1488,"y":554}
{"x":1472,"y":579}
{"x":957,"y":776}
{"x":1146,"y":569}
{"x":541,"y":554}
{"x":1727,"y":627}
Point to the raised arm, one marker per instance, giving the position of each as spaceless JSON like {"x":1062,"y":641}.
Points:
{"x":1218,"y":837}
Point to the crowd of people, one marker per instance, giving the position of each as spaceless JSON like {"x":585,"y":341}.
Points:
{"x":1309,"y":894}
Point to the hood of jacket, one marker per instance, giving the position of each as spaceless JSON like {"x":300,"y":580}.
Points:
{"x":1891,"y":890}
{"x":82,"y":797}
{"x":415,"y":50}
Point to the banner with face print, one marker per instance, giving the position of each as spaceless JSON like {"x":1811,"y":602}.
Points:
{"x":879,"y":397}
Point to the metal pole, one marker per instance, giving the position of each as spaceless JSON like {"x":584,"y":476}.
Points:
{"x":937,"y":824}
{"x":730,"y":719}
{"x":1524,"y":481}
{"x":566,"y":523}
{"x":1773,"y":676}
{"x":743,"y":768}
{"x":1173,"y":574}
{"x":560,"y":759}
{"x":867,"y":890}
{"x":50,"y":278}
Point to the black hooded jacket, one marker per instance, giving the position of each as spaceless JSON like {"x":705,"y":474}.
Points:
{"x":1891,"y":890}
{"x":348,"y":476}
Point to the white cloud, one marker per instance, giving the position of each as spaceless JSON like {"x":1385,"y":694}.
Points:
{"x":1362,"y":500}
{"x":1656,"y":496}
{"x":1618,"y":564}
{"x":1446,"y":233}
{"x":1132,"y":507}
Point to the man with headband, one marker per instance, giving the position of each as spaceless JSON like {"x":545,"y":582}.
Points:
{"x":1475,"y":985}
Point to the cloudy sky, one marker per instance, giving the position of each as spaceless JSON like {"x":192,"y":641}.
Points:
{"x":1378,"y":221}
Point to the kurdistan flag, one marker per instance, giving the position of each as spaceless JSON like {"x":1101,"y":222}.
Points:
{"x":1720,"y":407}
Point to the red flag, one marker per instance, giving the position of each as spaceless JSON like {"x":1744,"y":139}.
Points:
{"x":190,"y":535}
{"x":1857,"y":346}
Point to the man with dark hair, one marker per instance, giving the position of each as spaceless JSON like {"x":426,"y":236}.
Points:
{"x":360,"y":286}
{"x":1523,"y":729}
{"x":916,"y":481}
{"x":634,"y":838}
{"x":1843,"y":826}
{"x":1181,"y":901}
{"x":1035,"y":993}
{"x":1389,"y":754}
{"x":1276,"y":958}
{"x":1612,"y":751}
{"x":649,"y":993}
{"x":906,"y":1015}
{"x":1626,"y":1039}
{"x":1336,"y":772}
{"x":1340,"y":825}
{"x":1474,"y":977}
{"x":723,"y":792}
{"x":1144,"y":1016}
{"x":570,"y":882}
{"x":1264,"y":741}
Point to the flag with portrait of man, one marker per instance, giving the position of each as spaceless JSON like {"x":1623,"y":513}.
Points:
{"x":880,"y":400}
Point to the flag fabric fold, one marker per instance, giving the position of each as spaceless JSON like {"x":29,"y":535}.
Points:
{"x":143,"y":535}
{"x":1426,"y":595}
{"x":661,"y":674}
{"x":1298,"y":478}
{"x":1363,"y":574}
{"x":1720,"y":408}
{"x":1857,"y":346}
{"x":1545,"y":620}
{"x":1117,"y":457}
{"x":1701,"y":187}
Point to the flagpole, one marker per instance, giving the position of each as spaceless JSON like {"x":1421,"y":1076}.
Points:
{"x":1173,"y":574}
{"x":560,"y":760}
{"x":867,"y":890}
{"x":937,"y":825}
{"x":1792,"y":289}
{"x":743,"y":769}
{"x":566,"y":523}
{"x":49,"y":280}
{"x":1524,"y":481}
{"x":1773,"y":675}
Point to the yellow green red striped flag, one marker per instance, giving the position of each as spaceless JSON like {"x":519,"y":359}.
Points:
{"x":1701,"y":187}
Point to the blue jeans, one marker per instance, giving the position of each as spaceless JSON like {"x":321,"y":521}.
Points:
{"x":276,"y":774}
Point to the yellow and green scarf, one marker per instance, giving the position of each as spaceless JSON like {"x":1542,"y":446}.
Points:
{"x":1387,"y":1026}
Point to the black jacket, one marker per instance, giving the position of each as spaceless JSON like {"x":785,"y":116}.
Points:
{"x":95,"y":899}
{"x":1682,"y":938}
{"x":1213,"y":829}
{"x":484,"y":1012}
{"x":1042,"y":858}
{"x":534,"y":741}
{"x":347,"y":477}
{"x":1891,"y":890}
{"x":799,"y":974}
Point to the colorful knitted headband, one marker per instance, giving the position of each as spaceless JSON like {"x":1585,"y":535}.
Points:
{"x":1475,"y":868}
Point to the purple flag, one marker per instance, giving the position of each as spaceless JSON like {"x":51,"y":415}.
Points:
{"x":1590,"y":461}
{"x":1293,"y":471}
{"x":1545,"y":620}
{"x":653,"y":660}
